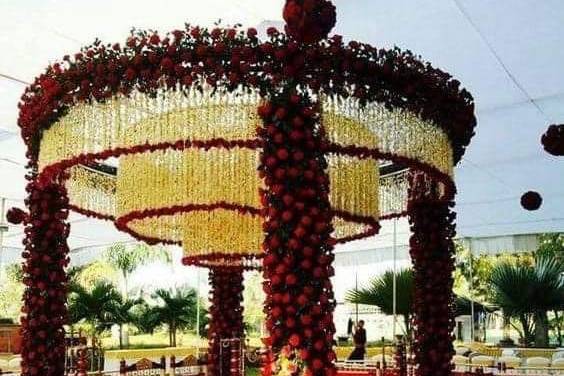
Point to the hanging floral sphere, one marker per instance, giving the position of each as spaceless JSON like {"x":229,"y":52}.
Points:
{"x":531,"y":200}
{"x":553,"y":139}
{"x":309,"y":21}
{"x":16,"y":216}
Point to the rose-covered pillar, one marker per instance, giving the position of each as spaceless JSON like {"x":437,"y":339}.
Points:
{"x":298,"y":246}
{"x":432,"y":253}
{"x":46,"y":256}
{"x":226,"y":321}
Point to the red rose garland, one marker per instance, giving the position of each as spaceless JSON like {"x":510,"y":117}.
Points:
{"x":432,"y":252}
{"x":46,"y":256}
{"x":531,"y":200}
{"x":228,"y":58}
{"x":298,"y":246}
{"x":553,"y":140}
{"x":309,"y":21}
{"x":226,"y":314}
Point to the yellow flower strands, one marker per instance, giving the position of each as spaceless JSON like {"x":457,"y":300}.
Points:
{"x":172,"y":178}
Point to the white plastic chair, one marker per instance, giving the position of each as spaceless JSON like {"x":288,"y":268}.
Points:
{"x":537,"y":361}
{"x":15,"y":364}
{"x":4,"y":364}
{"x":380,"y":358}
{"x":558,"y":363}
{"x":510,"y":361}
{"x":460,"y":363}
{"x":461,"y":350}
{"x":483,"y":361}
{"x":558,"y":355}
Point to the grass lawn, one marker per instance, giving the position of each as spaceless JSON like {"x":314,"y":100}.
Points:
{"x":156,"y":340}
{"x":252,"y":372}
{"x":160,"y":339}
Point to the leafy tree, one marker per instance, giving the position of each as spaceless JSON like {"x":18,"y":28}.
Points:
{"x":11,"y":291}
{"x":176,"y":309}
{"x":527,"y":293}
{"x":253,"y":301}
{"x":99,"y":270}
{"x":476,"y":271}
{"x":14,"y":272}
{"x":552,"y":245}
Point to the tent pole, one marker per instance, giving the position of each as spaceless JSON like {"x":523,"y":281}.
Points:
{"x":3,"y":228}
{"x":356,"y":288}
{"x":395,"y":281}
{"x":198,"y":313}
{"x":471,"y":285}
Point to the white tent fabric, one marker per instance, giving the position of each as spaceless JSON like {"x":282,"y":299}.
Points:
{"x":508,"y":53}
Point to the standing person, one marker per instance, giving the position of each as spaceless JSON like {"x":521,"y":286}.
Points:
{"x":359,"y":339}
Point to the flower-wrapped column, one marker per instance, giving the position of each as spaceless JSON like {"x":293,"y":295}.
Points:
{"x":226,"y":313}
{"x":298,"y":245}
{"x":46,"y":256}
{"x":432,"y":252}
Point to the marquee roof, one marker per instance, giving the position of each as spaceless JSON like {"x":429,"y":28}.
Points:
{"x":507,"y":53}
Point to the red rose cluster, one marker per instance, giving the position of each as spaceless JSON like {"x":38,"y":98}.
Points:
{"x":531,"y":200}
{"x":298,"y":246}
{"x":309,"y":21}
{"x":432,"y":253}
{"x":16,"y":216}
{"x":46,"y":256}
{"x":553,"y":140}
{"x":226,"y":313}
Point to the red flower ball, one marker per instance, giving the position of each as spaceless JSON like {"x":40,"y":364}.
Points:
{"x":16,"y":216}
{"x":309,"y":21}
{"x":531,"y":200}
{"x":553,"y":140}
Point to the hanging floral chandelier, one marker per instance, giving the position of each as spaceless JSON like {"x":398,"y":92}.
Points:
{"x":243,"y":150}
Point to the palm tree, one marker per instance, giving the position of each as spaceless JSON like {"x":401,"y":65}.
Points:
{"x":102,"y":307}
{"x":380,"y":293}
{"x":528,"y":292}
{"x":120,"y":313}
{"x":95,"y":306}
{"x":145,"y":318}
{"x":177,"y":309}
{"x":126,"y":260}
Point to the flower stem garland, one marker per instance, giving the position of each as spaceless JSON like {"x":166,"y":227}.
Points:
{"x":298,"y":246}
{"x":46,"y":256}
{"x":226,"y":316}
{"x":432,"y":251}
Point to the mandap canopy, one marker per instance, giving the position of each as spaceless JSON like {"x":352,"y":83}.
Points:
{"x":247,"y":153}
